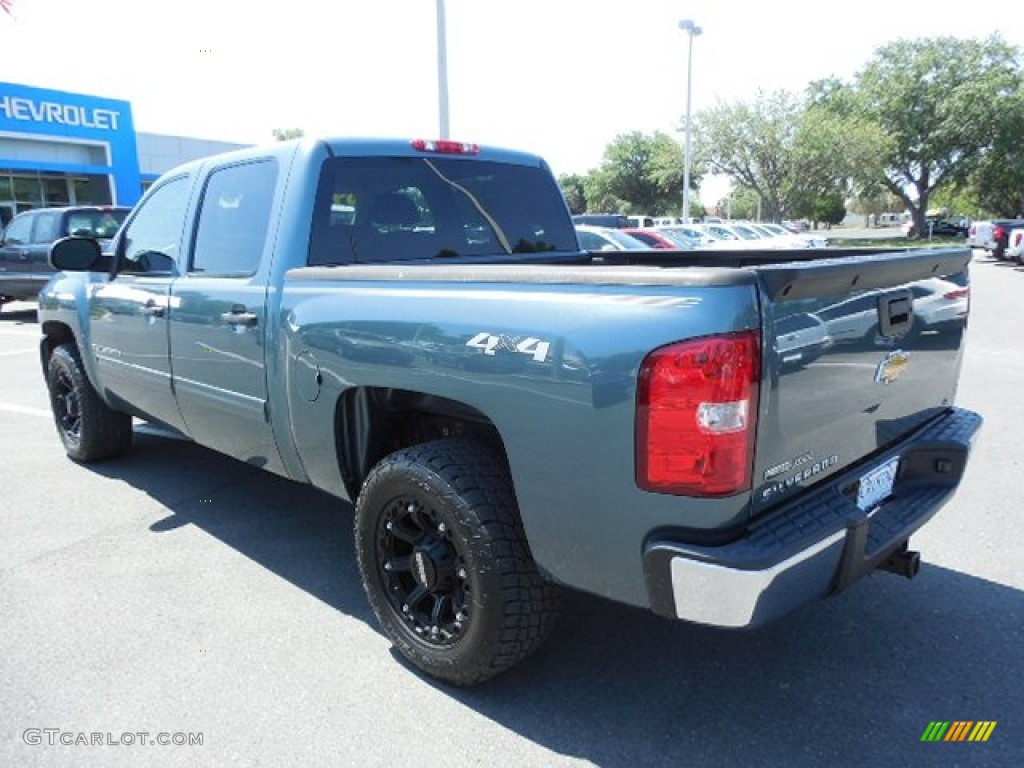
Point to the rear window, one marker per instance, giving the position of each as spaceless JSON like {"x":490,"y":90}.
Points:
{"x":397,"y":209}
{"x":96,"y":222}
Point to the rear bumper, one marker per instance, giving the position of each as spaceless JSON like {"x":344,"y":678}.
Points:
{"x":815,"y":545}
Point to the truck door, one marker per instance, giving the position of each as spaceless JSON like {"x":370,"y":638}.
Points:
{"x":130,"y":311}
{"x":218,"y":322}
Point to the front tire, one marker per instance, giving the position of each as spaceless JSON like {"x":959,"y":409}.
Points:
{"x":445,"y":563}
{"x":90,"y":430}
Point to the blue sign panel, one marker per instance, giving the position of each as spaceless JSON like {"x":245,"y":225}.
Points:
{"x":76,"y":118}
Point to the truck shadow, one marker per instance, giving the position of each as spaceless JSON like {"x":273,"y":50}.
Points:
{"x":297,"y":532}
{"x":854,"y":680}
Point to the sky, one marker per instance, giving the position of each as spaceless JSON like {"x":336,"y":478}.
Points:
{"x":561,"y":78}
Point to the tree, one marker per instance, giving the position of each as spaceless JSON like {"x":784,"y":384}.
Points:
{"x":997,"y":187}
{"x":284,"y":134}
{"x":830,"y":208}
{"x":573,"y":191}
{"x":751,"y":143}
{"x":639,"y":174}
{"x":596,"y":191}
{"x":741,"y":203}
{"x":874,"y":202}
{"x":939,"y":101}
{"x":834,"y":154}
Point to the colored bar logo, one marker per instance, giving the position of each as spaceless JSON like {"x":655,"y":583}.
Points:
{"x":958,"y":730}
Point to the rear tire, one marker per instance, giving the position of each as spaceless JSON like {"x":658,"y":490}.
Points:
{"x":445,"y":563}
{"x":90,"y":430}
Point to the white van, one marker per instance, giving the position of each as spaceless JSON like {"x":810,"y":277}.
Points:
{"x":980,"y":235}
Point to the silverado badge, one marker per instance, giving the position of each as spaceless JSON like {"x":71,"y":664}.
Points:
{"x":892,"y":366}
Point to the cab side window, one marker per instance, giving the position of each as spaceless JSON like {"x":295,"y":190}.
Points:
{"x":151,"y":239}
{"x":234,"y":219}
{"x":47,"y":228}
{"x":19,"y":231}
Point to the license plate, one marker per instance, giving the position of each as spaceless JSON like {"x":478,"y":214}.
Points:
{"x":876,"y":485}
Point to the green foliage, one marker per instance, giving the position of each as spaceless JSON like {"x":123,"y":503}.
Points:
{"x":939,"y":102}
{"x":741,"y":204}
{"x":830,"y":208}
{"x":927,"y":122}
{"x":572,"y":186}
{"x":752,"y":144}
{"x":997,"y":188}
{"x":639,"y":174}
{"x":789,"y":151}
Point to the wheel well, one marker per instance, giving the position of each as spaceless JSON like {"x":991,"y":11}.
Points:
{"x":372,"y":422}
{"x":54,"y":334}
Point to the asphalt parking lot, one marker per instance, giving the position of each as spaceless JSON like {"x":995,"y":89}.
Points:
{"x":176,"y":593}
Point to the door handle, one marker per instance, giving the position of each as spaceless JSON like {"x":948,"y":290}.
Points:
{"x":152,"y":309}
{"x":239,"y":315}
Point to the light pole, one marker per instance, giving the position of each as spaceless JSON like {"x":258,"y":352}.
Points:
{"x":689,"y":26}
{"x":442,"y":70}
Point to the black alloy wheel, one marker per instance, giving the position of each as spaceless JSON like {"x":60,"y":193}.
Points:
{"x":424,"y":574}
{"x":445,"y":564}
{"x":89,"y":429}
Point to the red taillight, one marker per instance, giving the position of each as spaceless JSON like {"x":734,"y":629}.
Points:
{"x":997,"y":233}
{"x":1017,"y":238}
{"x":696,"y":413}
{"x":445,"y":147}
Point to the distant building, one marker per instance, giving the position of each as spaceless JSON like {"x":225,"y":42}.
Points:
{"x":59,"y":148}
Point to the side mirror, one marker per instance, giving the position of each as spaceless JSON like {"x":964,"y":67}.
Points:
{"x":78,"y":254}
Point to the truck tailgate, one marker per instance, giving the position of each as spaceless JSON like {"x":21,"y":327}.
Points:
{"x":859,"y":352}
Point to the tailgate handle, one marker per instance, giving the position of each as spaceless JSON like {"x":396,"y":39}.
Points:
{"x":895,"y":313}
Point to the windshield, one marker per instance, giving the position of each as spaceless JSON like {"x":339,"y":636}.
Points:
{"x":745,"y":232}
{"x":721,"y":233}
{"x":679,"y":238}
{"x":394,"y":208}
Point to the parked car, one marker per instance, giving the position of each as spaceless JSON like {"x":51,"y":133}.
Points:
{"x":607,"y":239}
{"x":690,"y":236}
{"x":25,"y":244}
{"x":614,"y":220}
{"x":643,"y":445}
{"x":1015,"y":245}
{"x":793,"y":239}
{"x":938,"y":227}
{"x":1000,"y":235}
{"x":979,"y":234}
{"x":653,"y":238}
{"x":640,"y":221}
{"x":734,"y":235}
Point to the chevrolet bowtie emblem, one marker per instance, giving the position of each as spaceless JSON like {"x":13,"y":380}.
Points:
{"x":892,"y":366}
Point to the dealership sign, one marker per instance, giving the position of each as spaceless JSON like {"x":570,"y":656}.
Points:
{"x":30,"y":110}
{"x":30,"y":116}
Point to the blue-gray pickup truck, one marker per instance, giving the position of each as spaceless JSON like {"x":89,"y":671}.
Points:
{"x":413,"y":327}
